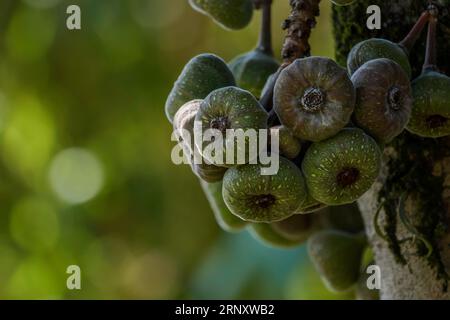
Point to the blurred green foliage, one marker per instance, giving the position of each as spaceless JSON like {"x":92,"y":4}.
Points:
{"x":85,"y":170}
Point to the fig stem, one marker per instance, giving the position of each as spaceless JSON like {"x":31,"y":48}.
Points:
{"x":265,"y":35}
{"x":431,"y":54}
{"x":410,"y":40}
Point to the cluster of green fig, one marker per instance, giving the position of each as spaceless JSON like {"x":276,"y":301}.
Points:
{"x":332,"y":124}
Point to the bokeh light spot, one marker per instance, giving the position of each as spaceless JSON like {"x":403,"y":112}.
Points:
{"x":153,"y":267}
{"x":76,"y":175}
{"x":28,"y":137}
{"x":34,"y":224}
{"x":30,"y":34}
{"x":35,"y":278}
{"x":3,"y":110}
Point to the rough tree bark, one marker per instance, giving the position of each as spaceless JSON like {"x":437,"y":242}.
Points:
{"x":412,"y":165}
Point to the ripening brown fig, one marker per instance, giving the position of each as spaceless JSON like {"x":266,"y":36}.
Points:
{"x":314,"y":98}
{"x":376,"y":48}
{"x":383,"y":99}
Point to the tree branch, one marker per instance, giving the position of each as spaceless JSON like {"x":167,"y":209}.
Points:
{"x":299,"y":25}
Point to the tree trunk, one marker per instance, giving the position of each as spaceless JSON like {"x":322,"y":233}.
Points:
{"x":417,"y":167}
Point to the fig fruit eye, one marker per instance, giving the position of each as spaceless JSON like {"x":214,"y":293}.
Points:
{"x":436,"y":121}
{"x":230,"y":14}
{"x":394,"y":98}
{"x":337,"y":256}
{"x":431,"y":91}
{"x":230,"y":108}
{"x":383,"y":99}
{"x":220,"y":123}
{"x":347,"y":177}
{"x":341,"y":169}
{"x":430,"y":115}
{"x":264,"y":201}
{"x":259,"y":198}
{"x":201,"y":75}
{"x":314,"y":98}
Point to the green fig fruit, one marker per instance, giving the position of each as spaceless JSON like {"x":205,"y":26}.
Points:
{"x":230,"y":14}
{"x":203,"y":74}
{"x":341,"y":169}
{"x":430,"y":115}
{"x":345,"y":218}
{"x":289,"y":145}
{"x":287,"y":233}
{"x":225,"y":219}
{"x":230,"y":109}
{"x":251,"y":70}
{"x":264,"y":198}
{"x":374,"y":49}
{"x":183,"y":124}
{"x":314,"y":98}
{"x":336,"y":255}
{"x":304,"y":283}
{"x":383,"y":99}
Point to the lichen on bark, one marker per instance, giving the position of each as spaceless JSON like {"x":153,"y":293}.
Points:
{"x":417,"y":167}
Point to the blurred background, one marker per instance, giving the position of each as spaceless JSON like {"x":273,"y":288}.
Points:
{"x":85,"y":170}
